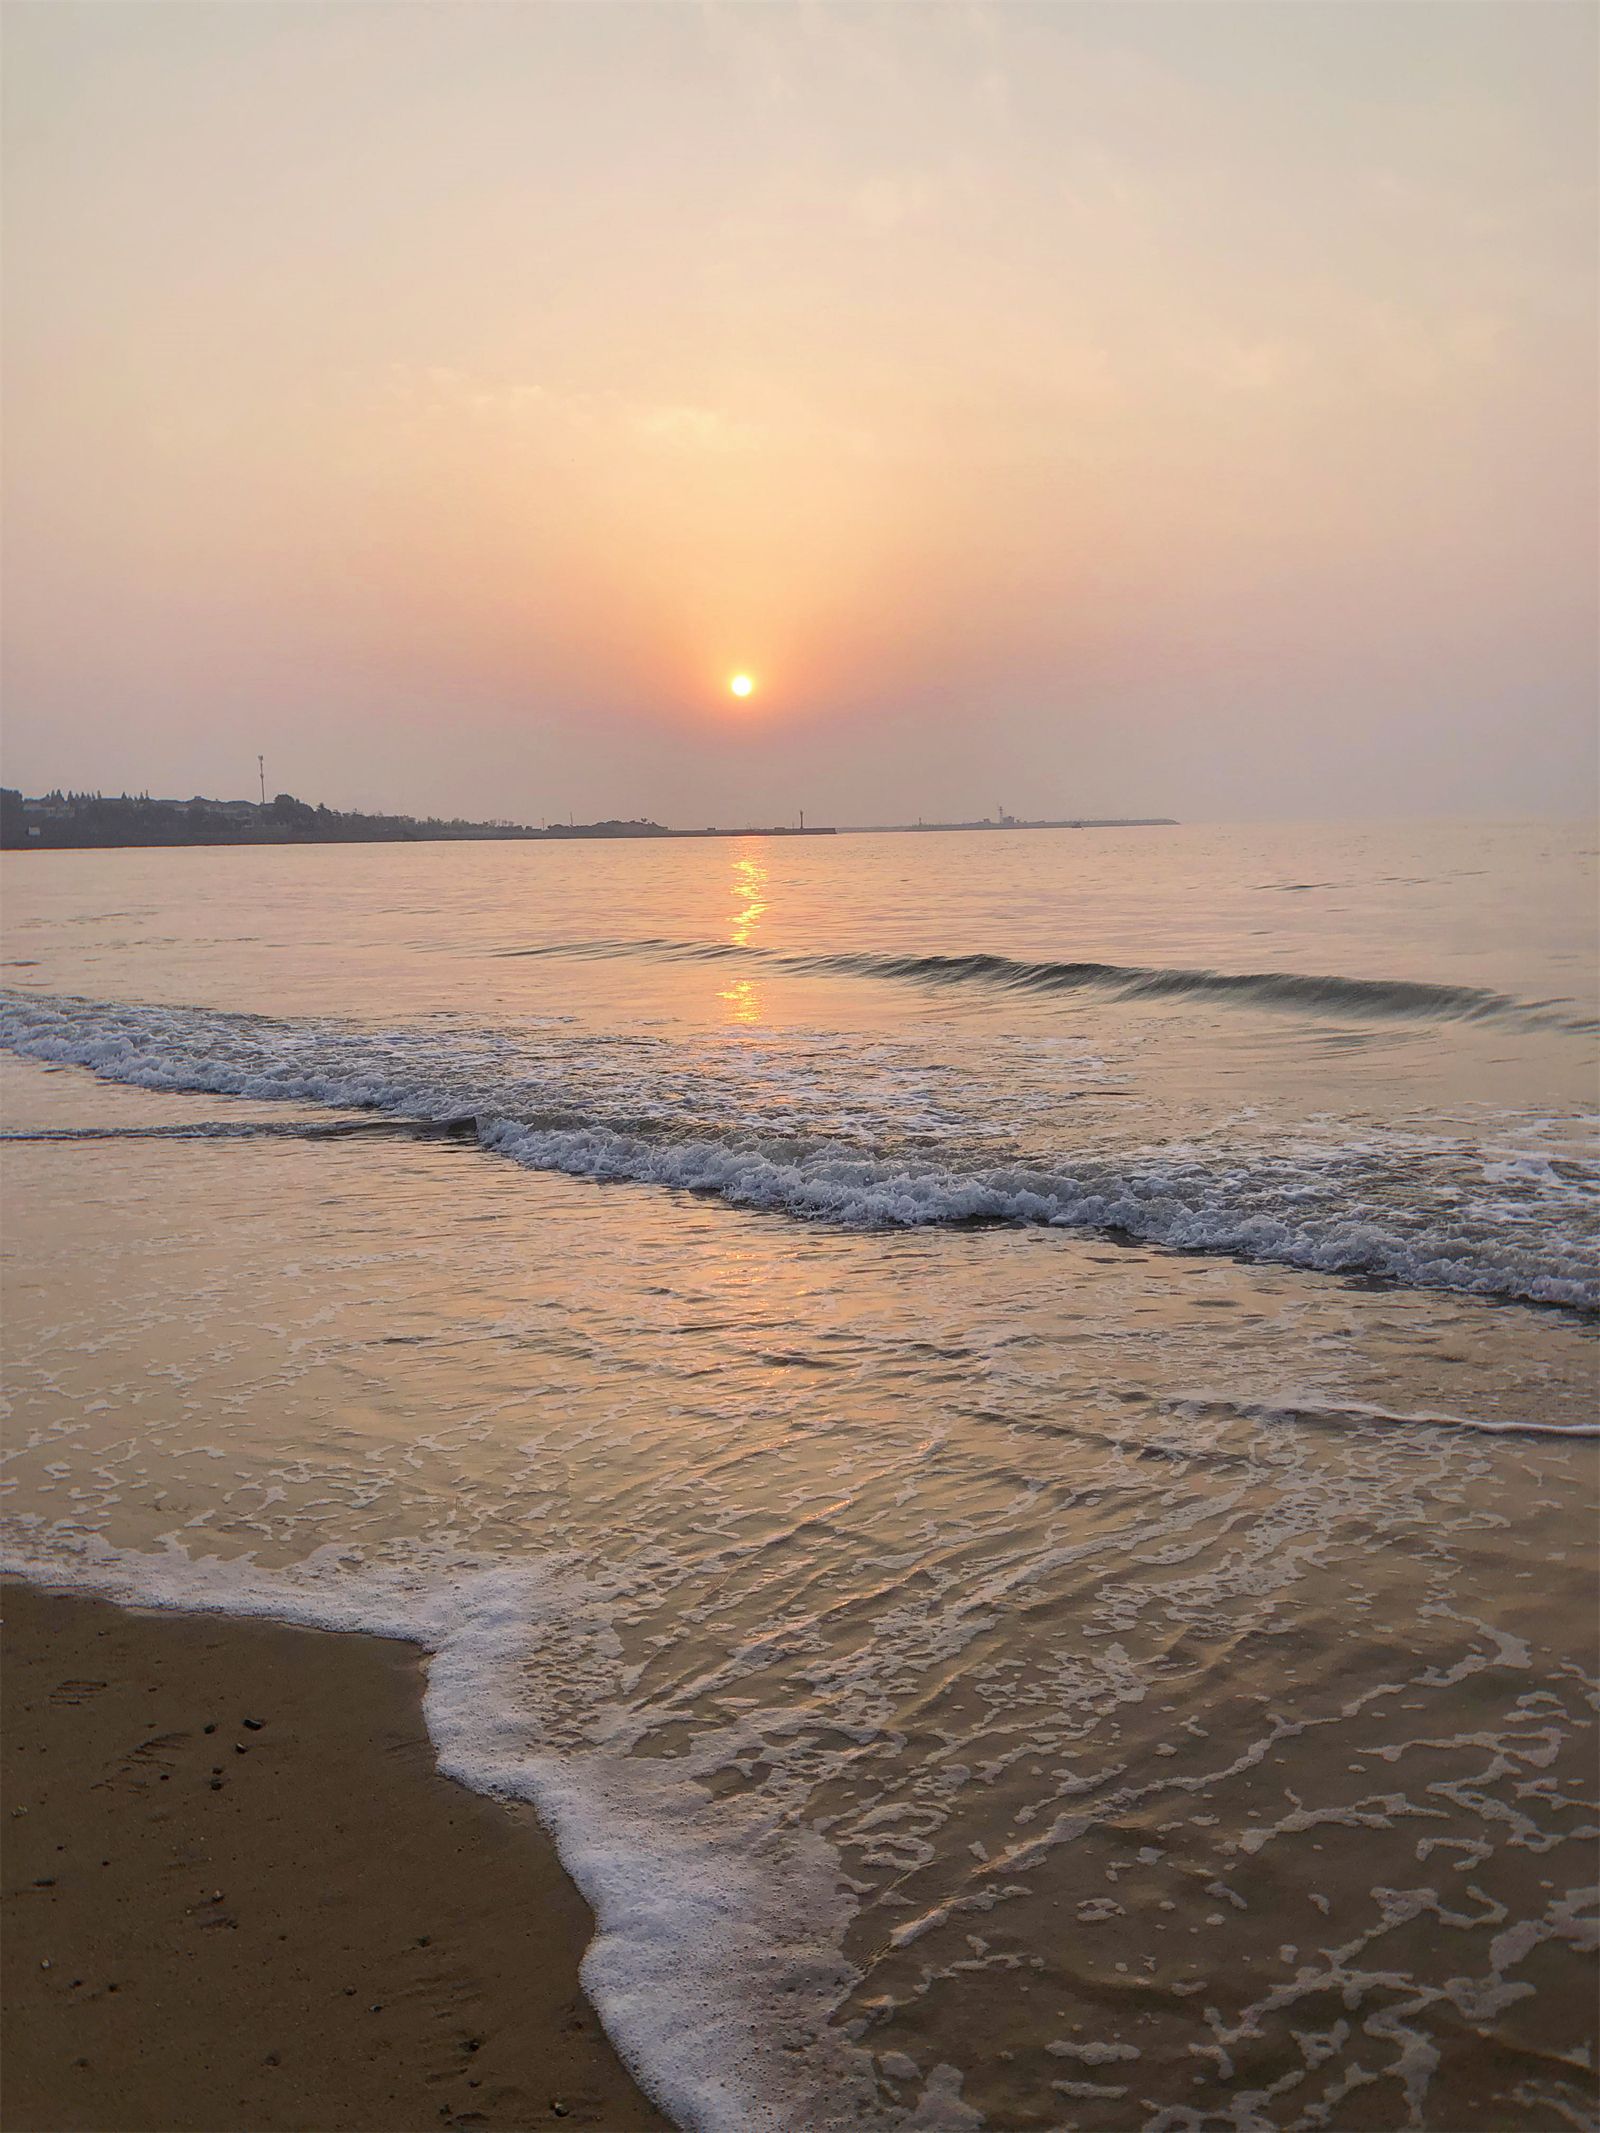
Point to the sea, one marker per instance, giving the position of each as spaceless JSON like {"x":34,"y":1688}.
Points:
{"x":998,"y":1429}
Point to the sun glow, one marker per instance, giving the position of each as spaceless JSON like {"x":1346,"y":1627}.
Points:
{"x":741,"y":685}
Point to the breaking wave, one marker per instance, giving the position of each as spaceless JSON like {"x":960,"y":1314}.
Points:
{"x":1422,"y":1215}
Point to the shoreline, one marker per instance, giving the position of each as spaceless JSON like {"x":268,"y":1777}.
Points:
{"x":559,"y":834}
{"x":295,"y":1924}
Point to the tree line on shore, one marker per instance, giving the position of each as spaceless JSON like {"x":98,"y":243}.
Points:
{"x":77,"y":819}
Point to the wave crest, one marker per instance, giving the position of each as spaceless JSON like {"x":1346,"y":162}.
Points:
{"x":1364,"y":999}
{"x":1429,"y":1216}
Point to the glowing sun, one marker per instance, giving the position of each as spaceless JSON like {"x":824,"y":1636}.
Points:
{"x":741,"y":685}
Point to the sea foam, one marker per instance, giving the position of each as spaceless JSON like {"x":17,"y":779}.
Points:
{"x":872,"y":1152}
{"x":716,"y":1962}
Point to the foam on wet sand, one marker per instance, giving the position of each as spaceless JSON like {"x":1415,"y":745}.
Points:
{"x":291,"y":1923}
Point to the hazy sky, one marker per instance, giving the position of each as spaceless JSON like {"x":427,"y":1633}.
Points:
{"x":1095,"y":408}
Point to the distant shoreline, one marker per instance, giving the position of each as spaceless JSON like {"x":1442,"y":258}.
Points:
{"x":91,"y":821}
{"x":260,"y":840}
{"x":1009,"y":822}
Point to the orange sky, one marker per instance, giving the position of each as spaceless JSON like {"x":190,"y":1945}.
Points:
{"x":1091,"y":408}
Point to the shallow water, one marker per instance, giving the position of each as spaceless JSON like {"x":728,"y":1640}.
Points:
{"x":1030,"y":1533}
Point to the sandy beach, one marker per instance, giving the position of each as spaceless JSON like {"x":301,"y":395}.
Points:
{"x":238,"y":1895}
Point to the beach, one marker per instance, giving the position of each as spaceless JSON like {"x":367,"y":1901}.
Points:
{"x":800,"y":1067}
{"x":1021,"y":1521}
{"x":238,"y":1893}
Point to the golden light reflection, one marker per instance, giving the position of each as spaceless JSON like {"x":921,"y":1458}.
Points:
{"x":749,"y":887}
{"x":744,"y":1002}
{"x":750,"y":897}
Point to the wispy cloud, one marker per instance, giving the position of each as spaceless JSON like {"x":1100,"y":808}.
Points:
{"x":669,"y":426}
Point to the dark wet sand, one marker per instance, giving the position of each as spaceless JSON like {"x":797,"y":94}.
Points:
{"x":317,"y":1933}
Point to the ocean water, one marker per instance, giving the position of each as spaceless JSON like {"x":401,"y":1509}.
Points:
{"x":999,"y":1429}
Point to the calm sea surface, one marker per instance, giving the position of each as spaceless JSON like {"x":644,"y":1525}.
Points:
{"x":998,"y":1428}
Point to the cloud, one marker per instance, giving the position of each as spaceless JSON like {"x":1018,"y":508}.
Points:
{"x":887,"y":203}
{"x":690,"y":429}
{"x":675,"y":426}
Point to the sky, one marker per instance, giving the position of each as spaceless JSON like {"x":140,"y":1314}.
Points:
{"x":1080,"y":409}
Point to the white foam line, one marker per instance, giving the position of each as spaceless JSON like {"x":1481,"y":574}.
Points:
{"x":1338,"y":1217}
{"x":1317,"y":1410}
{"x":716,"y":1964}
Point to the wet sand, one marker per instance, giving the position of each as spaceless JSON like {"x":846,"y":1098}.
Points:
{"x":299,"y":1924}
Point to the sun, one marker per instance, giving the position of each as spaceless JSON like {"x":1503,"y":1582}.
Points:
{"x":741,"y":685}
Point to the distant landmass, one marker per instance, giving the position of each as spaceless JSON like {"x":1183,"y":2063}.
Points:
{"x":76,"y":820}
{"x":1004,"y":821}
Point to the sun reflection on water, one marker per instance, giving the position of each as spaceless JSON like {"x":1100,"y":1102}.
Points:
{"x":744,"y":1002}
{"x":749,"y":886}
